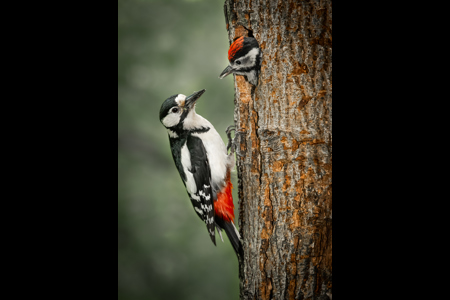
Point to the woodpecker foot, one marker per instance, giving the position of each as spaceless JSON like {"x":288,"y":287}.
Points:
{"x":228,"y":132}
{"x":232,"y":141}
{"x":229,"y":129}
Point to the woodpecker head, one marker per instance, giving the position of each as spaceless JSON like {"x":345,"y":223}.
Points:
{"x":178,"y":110}
{"x":245,"y":59}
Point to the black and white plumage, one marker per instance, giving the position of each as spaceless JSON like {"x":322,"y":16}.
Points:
{"x":203,"y":163}
{"x":245,"y":58}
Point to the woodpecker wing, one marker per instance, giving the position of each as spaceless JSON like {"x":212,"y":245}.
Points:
{"x":202,"y":200}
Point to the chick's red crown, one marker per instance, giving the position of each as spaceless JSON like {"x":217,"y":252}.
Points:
{"x":235,"y":47}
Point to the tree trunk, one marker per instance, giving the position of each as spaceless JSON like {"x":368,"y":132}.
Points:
{"x":284,"y":154}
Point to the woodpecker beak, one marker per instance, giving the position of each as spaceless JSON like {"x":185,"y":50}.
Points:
{"x":228,"y":70}
{"x":190,"y":100}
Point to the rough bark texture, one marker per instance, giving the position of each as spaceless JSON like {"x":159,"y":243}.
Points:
{"x":284,"y":158}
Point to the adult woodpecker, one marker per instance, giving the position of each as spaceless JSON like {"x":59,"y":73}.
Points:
{"x":203,"y":163}
{"x":245,"y":58}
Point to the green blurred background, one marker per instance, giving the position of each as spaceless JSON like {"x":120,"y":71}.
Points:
{"x":164,"y":251}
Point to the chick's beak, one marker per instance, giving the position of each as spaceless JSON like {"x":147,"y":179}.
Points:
{"x":228,"y":70}
{"x":190,"y":100}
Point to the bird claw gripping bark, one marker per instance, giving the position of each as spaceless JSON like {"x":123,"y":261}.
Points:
{"x":232,"y":141}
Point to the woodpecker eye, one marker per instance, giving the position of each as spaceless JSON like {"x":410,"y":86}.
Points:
{"x":175,"y":109}
{"x":238,"y":62}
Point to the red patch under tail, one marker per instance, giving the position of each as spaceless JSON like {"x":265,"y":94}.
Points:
{"x":224,"y":207}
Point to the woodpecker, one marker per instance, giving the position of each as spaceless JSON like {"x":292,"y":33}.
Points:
{"x":245,"y":58}
{"x":204,"y":165}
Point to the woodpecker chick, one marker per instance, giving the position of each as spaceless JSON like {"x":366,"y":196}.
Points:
{"x":245,"y":58}
{"x":202,"y":161}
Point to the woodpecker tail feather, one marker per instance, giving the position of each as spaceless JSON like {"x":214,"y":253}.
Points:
{"x":233,"y":235}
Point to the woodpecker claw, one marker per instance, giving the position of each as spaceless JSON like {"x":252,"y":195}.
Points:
{"x":236,"y":134}
{"x":229,"y":130}
{"x":232,"y":141}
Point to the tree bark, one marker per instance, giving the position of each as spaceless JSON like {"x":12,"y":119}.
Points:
{"x":285,"y":149}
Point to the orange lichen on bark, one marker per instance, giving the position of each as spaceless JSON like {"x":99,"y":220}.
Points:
{"x":293,"y":263}
{"x":328,"y":172}
{"x":294,"y":145}
{"x":305,"y":100}
{"x":317,"y":141}
{"x":321,"y":94}
{"x":267,"y":214}
{"x":292,"y":100}
{"x":291,"y":289}
{"x":287,"y":183}
{"x":262,"y":45}
{"x":240,"y":31}
{"x":278,"y":166}
{"x":245,"y":89}
{"x":300,"y":158}
{"x":297,"y":69}
{"x":267,"y":201}
{"x":285,"y":143}
{"x":265,"y":291}
{"x":296,"y":220}
{"x":264,"y":234}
